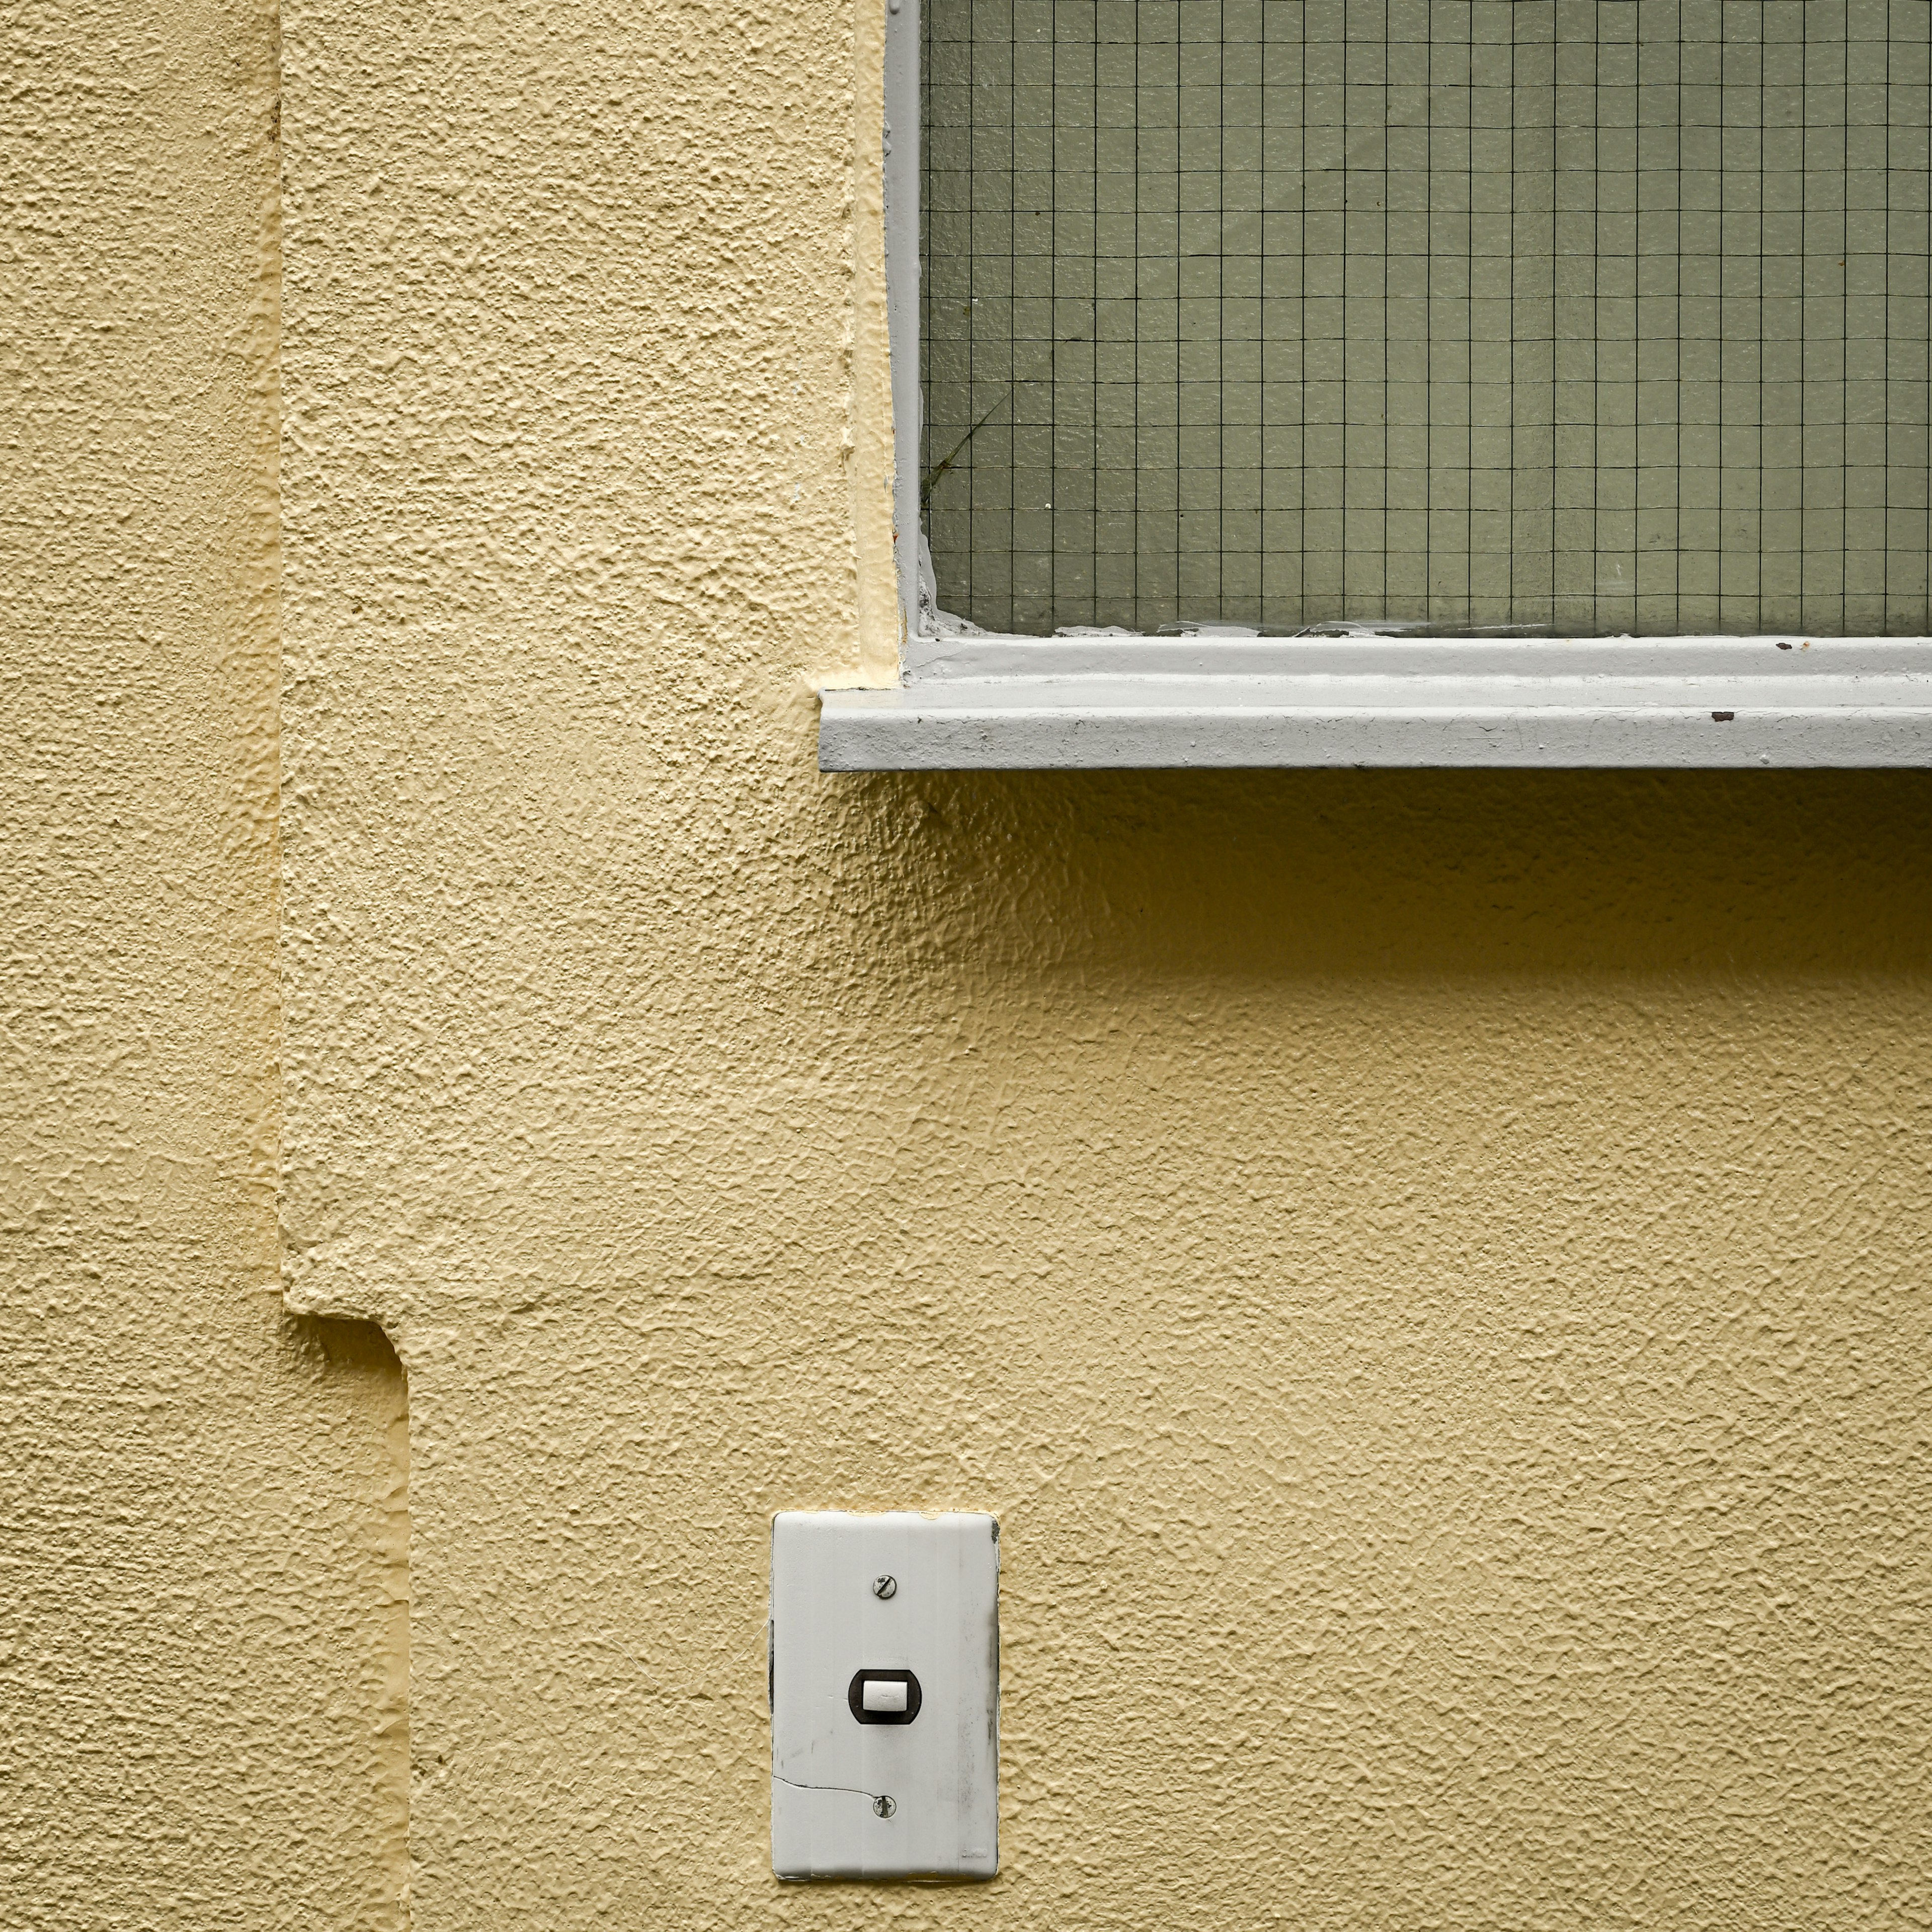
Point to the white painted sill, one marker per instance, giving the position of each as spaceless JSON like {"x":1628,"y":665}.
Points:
{"x":1084,"y":704}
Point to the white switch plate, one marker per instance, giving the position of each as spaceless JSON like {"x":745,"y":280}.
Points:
{"x":832,"y":1622}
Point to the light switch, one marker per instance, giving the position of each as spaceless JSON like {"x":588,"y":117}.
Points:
{"x":885,"y":1692}
{"x":878,"y":1694}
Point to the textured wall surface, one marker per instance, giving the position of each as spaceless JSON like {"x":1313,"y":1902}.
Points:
{"x":1431,"y":1271}
{"x":202,"y":1602}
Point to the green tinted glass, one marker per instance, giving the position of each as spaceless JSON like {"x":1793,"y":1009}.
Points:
{"x":1569,"y":316}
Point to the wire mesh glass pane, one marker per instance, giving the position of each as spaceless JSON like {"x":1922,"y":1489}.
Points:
{"x":1589,"y":316}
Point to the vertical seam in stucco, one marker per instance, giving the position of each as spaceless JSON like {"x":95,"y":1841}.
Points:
{"x":390,"y":1665}
{"x":392,"y":1728}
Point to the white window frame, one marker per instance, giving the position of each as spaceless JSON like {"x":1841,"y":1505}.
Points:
{"x":990,"y":702}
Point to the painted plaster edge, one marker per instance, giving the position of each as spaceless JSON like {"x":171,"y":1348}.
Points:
{"x":358,"y":1279}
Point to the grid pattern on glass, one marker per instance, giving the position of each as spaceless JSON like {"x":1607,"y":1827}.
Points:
{"x":1589,"y":316}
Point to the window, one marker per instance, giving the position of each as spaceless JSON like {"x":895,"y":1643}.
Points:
{"x":1558,"y":370}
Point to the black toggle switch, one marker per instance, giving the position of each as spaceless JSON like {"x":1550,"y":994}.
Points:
{"x":884,"y":1697}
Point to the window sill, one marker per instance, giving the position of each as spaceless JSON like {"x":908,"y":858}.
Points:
{"x":1002,"y":703}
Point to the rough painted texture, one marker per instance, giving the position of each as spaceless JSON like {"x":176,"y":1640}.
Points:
{"x":201,"y":1496}
{"x":1430,"y":1271}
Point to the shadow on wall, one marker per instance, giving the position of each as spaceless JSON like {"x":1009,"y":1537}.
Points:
{"x":357,"y":1356}
{"x":1260,"y":874}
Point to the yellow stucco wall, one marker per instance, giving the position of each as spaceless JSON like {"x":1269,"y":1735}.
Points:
{"x":202,"y":1606}
{"x":1430,"y":1271}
